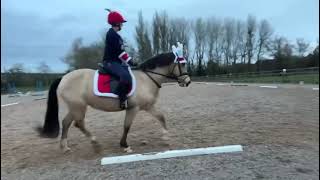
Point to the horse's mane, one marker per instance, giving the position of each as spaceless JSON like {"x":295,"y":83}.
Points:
{"x":160,"y":60}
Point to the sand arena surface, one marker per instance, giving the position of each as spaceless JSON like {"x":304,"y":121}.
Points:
{"x":279,"y":129}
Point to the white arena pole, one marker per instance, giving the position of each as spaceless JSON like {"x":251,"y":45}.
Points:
{"x":170,"y":154}
{"x":9,"y":104}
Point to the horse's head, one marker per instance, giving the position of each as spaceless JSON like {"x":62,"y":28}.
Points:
{"x":171,"y":65}
{"x":179,"y":66}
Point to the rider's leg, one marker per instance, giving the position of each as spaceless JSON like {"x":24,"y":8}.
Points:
{"x":125,"y":80}
{"x":120,"y":72}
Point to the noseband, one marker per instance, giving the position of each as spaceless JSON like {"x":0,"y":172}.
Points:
{"x":170,"y":76}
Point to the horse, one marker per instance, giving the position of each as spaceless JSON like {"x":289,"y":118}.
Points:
{"x":75,"y":89}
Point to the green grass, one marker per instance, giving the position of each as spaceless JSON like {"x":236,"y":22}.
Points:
{"x":294,"y":79}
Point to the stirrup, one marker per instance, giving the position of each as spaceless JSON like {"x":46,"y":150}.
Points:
{"x":124,"y":104}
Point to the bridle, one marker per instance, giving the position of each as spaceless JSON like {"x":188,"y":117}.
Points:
{"x":170,"y":76}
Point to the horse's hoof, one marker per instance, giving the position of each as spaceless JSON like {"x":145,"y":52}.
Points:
{"x":165,"y":135}
{"x":64,"y":146}
{"x":165,"y":138}
{"x":144,"y":142}
{"x":66,"y":150}
{"x":128,"y":150}
{"x":94,"y":140}
{"x":165,"y":131}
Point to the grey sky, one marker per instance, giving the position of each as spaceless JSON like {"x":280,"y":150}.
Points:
{"x":37,"y":30}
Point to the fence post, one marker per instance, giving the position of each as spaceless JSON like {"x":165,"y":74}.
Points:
{"x":39,"y":85}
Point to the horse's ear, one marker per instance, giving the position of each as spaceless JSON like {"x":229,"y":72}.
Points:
{"x":174,"y":48}
{"x":178,"y":52}
{"x":180,"y":46}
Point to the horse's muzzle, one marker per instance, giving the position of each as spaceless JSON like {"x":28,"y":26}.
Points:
{"x":184,"y":81}
{"x":188,"y":83}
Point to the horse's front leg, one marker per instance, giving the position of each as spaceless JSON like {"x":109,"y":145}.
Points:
{"x":130,"y":115}
{"x":158,"y":115}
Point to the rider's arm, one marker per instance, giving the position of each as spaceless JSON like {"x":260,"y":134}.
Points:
{"x":121,"y":53}
{"x":124,"y":56}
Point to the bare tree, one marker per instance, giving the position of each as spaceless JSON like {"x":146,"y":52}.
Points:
{"x":239,"y":49}
{"x":316,"y":50}
{"x":70,"y":57}
{"x":302,"y":46}
{"x":142,"y":39}
{"x":164,"y":32}
{"x":210,"y":39}
{"x":250,"y":43}
{"x":282,"y":51}
{"x":17,"y":68}
{"x":200,"y":36}
{"x":43,"y":67}
{"x":156,"y":33}
{"x":229,"y":36}
{"x":265,"y":32}
{"x":241,"y":40}
{"x":214,"y":30}
{"x":148,"y":47}
{"x":214,"y":39}
{"x":277,"y":45}
{"x":81,"y":56}
{"x":140,"y":36}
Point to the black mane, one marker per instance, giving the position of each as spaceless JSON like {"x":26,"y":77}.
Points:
{"x":160,"y":60}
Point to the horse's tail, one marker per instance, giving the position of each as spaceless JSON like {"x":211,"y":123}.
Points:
{"x":51,"y":126}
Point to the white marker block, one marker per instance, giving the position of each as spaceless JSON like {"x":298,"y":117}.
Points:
{"x":170,"y":154}
{"x":315,"y":89}
{"x":273,"y":87}
{"x":9,"y":104}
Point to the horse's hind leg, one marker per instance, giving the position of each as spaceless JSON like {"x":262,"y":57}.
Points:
{"x":130,"y":115}
{"x":76,"y":113}
{"x":79,"y":123}
{"x":65,"y":128}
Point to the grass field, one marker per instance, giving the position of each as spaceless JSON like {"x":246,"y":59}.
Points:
{"x":294,"y":79}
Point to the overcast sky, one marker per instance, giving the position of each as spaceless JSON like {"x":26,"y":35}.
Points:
{"x":35,"y":30}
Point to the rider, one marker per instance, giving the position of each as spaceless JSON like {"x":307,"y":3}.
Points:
{"x":115,"y":58}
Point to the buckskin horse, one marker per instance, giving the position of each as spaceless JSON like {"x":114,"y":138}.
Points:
{"x":76,"y":90}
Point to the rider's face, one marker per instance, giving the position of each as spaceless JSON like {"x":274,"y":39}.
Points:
{"x":117,"y":27}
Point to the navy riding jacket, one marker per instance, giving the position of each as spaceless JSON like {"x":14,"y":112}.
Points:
{"x":113,"y":46}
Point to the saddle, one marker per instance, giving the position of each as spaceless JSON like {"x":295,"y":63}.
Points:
{"x":105,"y":84}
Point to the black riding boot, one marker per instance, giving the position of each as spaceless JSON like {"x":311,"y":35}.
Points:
{"x":122,"y":92}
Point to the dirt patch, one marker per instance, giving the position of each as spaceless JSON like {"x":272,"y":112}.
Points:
{"x":279,"y":129}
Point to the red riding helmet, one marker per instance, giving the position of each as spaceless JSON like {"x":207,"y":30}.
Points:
{"x":115,"y":18}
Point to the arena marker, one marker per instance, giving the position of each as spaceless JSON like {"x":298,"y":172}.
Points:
{"x":4,"y":105}
{"x":170,"y":154}
{"x":273,"y":87}
{"x":219,"y":84}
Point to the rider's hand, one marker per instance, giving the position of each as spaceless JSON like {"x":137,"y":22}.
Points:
{"x":132,"y":63}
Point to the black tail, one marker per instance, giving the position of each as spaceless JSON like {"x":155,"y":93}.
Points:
{"x":51,"y":126}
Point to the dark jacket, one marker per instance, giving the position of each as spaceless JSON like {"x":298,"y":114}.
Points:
{"x":113,"y":46}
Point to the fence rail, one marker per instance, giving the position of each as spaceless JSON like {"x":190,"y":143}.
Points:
{"x":11,"y":83}
{"x":307,"y":75}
